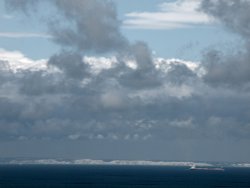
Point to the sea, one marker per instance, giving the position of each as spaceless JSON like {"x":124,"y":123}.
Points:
{"x":115,"y":176}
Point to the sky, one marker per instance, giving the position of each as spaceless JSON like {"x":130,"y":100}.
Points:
{"x":124,"y":79}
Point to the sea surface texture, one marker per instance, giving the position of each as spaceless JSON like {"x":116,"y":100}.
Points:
{"x":76,"y":176}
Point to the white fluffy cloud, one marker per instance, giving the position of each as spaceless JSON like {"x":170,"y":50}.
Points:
{"x":15,"y":60}
{"x":176,"y":14}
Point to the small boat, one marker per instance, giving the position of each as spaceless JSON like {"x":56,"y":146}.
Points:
{"x":206,"y":168}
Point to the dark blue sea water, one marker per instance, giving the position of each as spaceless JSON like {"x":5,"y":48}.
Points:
{"x":73,"y":176}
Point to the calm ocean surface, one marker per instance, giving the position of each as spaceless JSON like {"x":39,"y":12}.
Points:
{"x":73,"y":176}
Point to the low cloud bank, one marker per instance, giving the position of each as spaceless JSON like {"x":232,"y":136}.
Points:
{"x":98,"y":98}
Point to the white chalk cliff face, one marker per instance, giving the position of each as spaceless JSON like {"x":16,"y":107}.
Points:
{"x":125,"y":163}
{"x":101,"y":162}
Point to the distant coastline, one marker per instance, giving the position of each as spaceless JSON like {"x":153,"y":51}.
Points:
{"x":119,"y":162}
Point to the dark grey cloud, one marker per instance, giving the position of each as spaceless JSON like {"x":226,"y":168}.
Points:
{"x":71,"y":64}
{"x":229,"y":69}
{"x":145,"y":75}
{"x":50,"y":105}
{"x":233,"y":14}
{"x":76,"y":24}
{"x":95,"y":25}
{"x":179,"y":74}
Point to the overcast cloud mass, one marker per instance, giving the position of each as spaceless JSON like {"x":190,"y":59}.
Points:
{"x":122,"y":102}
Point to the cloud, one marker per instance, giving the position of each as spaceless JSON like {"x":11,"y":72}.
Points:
{"x":144,"y":75}
{"x":171,"y":15}
{"x":70,"y":63}
{"x":60,"y":103}
{"x":97,"y":64}
{"x":17,"y":61}
{"x":187,"y":123}
{"x":113,"y":99}
{"x":98,"y":33}
{"x":227,"y":12}
{"x":229,"y":69}
{"x":6,"y":16}
{"x":120,"y":95}
{"x":74,"y":136}
{"x":23,"y":35}
{"x":68,"y":25}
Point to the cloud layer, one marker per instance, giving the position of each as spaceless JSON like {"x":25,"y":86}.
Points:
{"x":78,"y":101}
{"x":126,"y":96}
